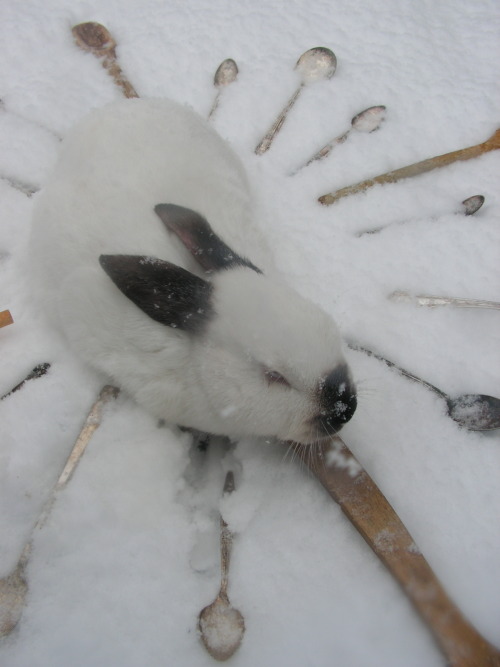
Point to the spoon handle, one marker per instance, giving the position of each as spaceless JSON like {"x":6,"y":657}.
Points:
{"x":415,"y":169}
{"x":375,"y":519}
{"x":325,"y":151}
{"x":434,"y":301}
{"x":226,"y":540}
{"x":265,"y":143}
{"x":403,"y":371}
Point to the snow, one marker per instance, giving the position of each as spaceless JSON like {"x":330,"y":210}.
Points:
{"x":129,"y":555}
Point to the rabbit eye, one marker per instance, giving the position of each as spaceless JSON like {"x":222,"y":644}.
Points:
{"x":273,"y":377}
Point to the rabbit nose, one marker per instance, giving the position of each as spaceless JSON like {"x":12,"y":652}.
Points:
{"x":337,"y":400}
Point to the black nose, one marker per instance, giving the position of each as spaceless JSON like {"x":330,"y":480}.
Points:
{"x":337,"y":400}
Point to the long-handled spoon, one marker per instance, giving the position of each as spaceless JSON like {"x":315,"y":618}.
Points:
{"x":225,"y":74}
{"x":5,"y":318}
{"x":96,"y":39}
{"x":313,"y":65}
{"x":475,"y":412}
{"x":468,"y":207}
{"x":368,"y":120}
{"x":434,"y":301}
{"x":39,"y":371}
{"x":221,"y":625}
{"x":490,"y":144}
{"x":373,"y":517}
{"x":13,"y":587}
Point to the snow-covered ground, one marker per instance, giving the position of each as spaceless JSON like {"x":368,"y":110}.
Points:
{"x":129,"y":555}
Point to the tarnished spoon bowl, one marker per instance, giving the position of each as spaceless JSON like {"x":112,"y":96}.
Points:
{"x":317,"y":63}
{"x":222,"y":628}
{"x":476,"y":412}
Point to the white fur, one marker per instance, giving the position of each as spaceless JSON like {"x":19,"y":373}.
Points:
{"x":114,"y":168}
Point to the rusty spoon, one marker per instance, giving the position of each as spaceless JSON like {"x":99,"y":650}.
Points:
{"x":96,"y":39}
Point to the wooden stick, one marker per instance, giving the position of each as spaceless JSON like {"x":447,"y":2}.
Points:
{"x":415,"y":169}
{"x":96,"y":39}
{"x":5,"y":318}
{"x":371,"y":514}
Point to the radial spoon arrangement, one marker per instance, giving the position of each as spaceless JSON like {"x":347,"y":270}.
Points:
{"x":434,"y":301}
{"x":368,"y":120}
{"x":313,"y":65}
{"x":225,"y":74}
{"x":13,"y":587}
{"x":491,"y":144}
{"x":475,"y":412}
{"x":468,"y":207}
{"x":220,"y":624}
{"x":375,"y":519}
{"x":96,"y":39}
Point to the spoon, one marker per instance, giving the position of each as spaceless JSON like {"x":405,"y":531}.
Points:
{"x":375,"y":519}
{"x":221,"y":625}
{"x":475,"y":412}
{"x":368,"y":120}
{"x":96,"y":39}
{"x":469,"y":207}
{"x":38,"y":372}
{"x":313,"y":65}
{"x":14,"y":587}
{"x":226,"y":73}
{"x":490,"y":144}
{"x":434,"y":301}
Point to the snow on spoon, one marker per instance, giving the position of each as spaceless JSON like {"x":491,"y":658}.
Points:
{"x":475,"y":412}
{"x":13,"y":587}
{"x":226,"y":73}
{"x":220,"y":624}
{"x":96,"y":39}
{"x":368,"y":120}
{"x":313,"y":65}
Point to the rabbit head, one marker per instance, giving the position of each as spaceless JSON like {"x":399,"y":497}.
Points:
{"x":262,"y":360}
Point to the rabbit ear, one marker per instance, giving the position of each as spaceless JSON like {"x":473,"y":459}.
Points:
{"x":193,"y":230}
{"x":165,"y":292}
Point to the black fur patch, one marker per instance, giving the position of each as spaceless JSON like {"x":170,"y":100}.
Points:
{"x":165,"y":292}
{"x":193,"y":230}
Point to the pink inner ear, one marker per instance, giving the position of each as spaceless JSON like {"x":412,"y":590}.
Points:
{"x":186,"y":238}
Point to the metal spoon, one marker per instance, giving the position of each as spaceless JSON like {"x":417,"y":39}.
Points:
{"x":313,"y":65}
{"x":39,"y":371}
{"x":469,"y":206}
{"x":475,"y":412}
{"x":368,"y":120}
{"x":13,"y":587}
{"x":434,"y":301}
{"x":221,"y":625}
{"x":96,"y":39}
{"x":226,"y":73}
{"x":491,"y":144}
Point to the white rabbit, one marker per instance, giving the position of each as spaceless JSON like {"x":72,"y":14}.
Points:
{"x":138,"y":251}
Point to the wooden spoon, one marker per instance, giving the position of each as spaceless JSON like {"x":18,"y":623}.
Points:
{"x":373,"y":517}
{"x":96,"y":39}
{"x":5,"y":318}
{"x":491,"y":144}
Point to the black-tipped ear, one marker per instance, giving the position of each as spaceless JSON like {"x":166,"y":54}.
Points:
{"x":193,"y":230}
{"x":165,"y":292}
